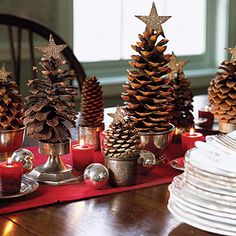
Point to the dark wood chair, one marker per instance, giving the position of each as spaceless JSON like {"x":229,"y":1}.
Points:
{"x":19,"y":24}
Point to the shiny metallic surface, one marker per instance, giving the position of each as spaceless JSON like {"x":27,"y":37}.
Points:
{"x":146,"y":161}
{"x":157,"y":142}
{"x":226,"y":127}
{"x":25,"y":156}
{"x":53,"y":171}
{"x":122,"y":172}
{"x":90,"y":135}
{"x":27,"y":186}
{"x":96,"y":176}
{"x":10,"y":140}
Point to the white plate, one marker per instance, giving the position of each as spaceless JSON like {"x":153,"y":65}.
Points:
{"x":223,"y":216}
{"x":199,"y":222}
{"x":211,"y":217}
{"x":211,"y":187}
{"x":231,"y":186}
{"x":197,"y":160}
{"x":215,"y":197}
{"x":210,"y":175}
{"x":179,"y":188}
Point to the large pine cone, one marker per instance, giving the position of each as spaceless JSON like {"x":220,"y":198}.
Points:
{"x":222,"y":93}
{"x":182,"y":113}
{"x":92,"y":104}
{"x":10,"y":105}
{"x":149,"y":93}
{"x":49,"y":108}
{"x":121,"y":140}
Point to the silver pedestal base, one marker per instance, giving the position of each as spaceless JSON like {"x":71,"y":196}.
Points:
{"x":54,"y":171}
{"x":60,"y":178}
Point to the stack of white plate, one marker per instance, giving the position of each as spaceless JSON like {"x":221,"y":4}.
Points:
{"x":205,"y":195}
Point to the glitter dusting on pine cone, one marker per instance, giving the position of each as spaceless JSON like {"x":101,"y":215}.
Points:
{"x":49,"y":109}
{"x":121,"y":139}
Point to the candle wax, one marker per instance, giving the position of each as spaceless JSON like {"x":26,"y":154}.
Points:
{"x":82,"y":156}
{"x":189,"y":139}
{"x":10,"y":177}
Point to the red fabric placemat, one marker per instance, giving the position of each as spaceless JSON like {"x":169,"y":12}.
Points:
{"x":47,"y":194}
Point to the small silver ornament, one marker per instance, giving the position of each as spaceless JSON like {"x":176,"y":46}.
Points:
{"x":96,"y":176}
{"x":146,"y":161}
{"x":25,"y":156}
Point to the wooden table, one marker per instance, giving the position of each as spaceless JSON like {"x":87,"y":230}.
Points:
{"x":139,"y":212}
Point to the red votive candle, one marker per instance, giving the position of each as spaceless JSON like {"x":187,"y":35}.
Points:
{"x":82,"y":156}
{"x":205,"y":118}
{"x":189,"y":139}
{"x":10,"y":177}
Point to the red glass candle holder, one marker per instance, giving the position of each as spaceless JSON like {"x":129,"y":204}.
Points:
{"x":205,"y":118}
{"x":10,"y":177}
{"x":82,"y":156}
{"x":189,"y":139}
{"x":102,"y":140}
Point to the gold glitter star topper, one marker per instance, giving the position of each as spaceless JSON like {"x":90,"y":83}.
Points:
{"x":118,"y":116}
{"x":52,"y":50}
{"x":233,"y":52}
{"x":3,"y":73}
{"x":176,"y":65}
{"x":154,"y":21}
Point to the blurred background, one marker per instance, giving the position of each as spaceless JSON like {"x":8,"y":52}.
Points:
{"x":101,"y":32}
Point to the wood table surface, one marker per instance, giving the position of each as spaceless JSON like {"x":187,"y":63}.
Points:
{"x":139,"y":212}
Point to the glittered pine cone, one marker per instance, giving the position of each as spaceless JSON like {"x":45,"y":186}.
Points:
{"x":10,"y":105}
{"x":222,"y":93}
{"x":182,"y":112}
{"x":92,"y":104}
{"x":148,"y":95}
{"x":121,"y":140}
{"x":49,"y":109}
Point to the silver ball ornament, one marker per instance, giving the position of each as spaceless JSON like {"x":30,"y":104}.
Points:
{"x":25,"y":156}
{"x":146,"y":161}
{"x":96,"y":176}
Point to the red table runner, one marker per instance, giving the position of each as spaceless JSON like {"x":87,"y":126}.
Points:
{"x":47,"y":194}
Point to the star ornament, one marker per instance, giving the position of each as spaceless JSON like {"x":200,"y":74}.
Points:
{"x":118,"y":116}
{"x":154,"y":21}
{"x":3,"y":73}
{"x":233,"y":52}
{"x":52,"y":50}
{"x":176,"y":65}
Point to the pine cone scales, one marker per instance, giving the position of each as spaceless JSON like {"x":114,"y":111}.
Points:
{"x":182,"y":113}
{"x":92,"y":105}
{"x":222,"y":93}
{"x":148,"y":97}
{"x":49,"y":107}
{"x":121,"y":140}
{"x":10,"y":105}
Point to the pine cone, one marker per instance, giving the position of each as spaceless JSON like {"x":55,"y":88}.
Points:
{"x":92,"y":105}
{"x":222,"y":93}
{"x":121,"y":139}
{"x":149,"y":93}
{"x":182,"y":113}
{"x":49,"y":108}
{"x":10,"y":103}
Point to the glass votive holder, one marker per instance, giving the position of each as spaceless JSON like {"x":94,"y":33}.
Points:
{"x":10,"y":177}
{"x":82,"y":156}
{"x":102,"y":140}
{"x":205,"y":118}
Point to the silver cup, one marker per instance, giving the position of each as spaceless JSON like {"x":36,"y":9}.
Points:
{"x":10,"y":140}
{"x":156,"y":142}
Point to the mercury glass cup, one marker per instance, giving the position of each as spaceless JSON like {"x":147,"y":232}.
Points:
{"x":10,"y":140}
{"x":156,"y":142}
